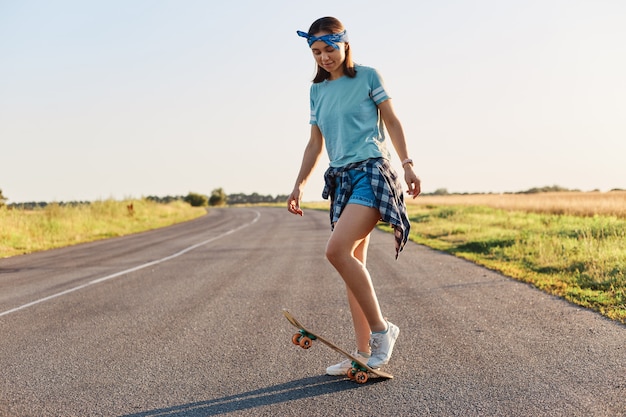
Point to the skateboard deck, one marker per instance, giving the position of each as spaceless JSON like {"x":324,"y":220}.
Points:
{"x":359,"y":372}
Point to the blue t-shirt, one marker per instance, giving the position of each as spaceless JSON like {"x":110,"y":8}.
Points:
{"x":346,"y":111}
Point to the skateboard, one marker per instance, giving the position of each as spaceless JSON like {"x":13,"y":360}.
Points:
{"x":359,"y":372}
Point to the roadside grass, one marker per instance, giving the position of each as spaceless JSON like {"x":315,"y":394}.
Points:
{"x":26,"y":231}
{"x":581,"y":258}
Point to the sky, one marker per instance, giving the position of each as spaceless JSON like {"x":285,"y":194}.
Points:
{"x":130,"y":98}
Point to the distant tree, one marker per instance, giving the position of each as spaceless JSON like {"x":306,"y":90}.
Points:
{"x":218,"y":197}
{"x":255,"y":198}
{"x":238,"y":198}
{"x":441,"y":191}
{"x":546,"y":189}
{"x":196,"y":200}
{"x":164,"y":200}
{"x":3,"y":199}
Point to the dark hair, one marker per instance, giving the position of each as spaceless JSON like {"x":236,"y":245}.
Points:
{"x":331,"y":25}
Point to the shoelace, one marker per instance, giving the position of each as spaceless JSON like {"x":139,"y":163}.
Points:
{"x":374,"y":343}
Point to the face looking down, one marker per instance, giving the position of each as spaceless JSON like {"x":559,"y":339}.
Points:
{"x":329,"y":58}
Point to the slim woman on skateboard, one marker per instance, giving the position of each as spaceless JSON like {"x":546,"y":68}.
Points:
{"x":349,"y":112}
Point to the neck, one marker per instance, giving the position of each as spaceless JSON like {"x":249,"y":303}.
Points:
{"x":336,"y":74}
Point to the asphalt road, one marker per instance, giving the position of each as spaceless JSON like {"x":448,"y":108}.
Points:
{"x":186,"y":321}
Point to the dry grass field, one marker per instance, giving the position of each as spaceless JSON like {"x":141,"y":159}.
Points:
{"x":572,"y":203}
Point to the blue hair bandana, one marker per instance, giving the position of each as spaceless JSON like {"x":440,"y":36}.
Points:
{"x":330,"y":39}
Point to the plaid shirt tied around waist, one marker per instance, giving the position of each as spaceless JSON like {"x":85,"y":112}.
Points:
{"x":387,"y":190}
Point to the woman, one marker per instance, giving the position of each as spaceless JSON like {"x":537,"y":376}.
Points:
{"x":348,"y":108}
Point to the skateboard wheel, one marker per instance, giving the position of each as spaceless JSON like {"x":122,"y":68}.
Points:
{"x":305,"y":342}
{"x":351,"y":373}
{"x":361,"y":377}
{"x":296,"y":339}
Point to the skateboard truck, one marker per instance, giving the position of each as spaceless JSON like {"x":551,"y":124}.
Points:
{"x":303,"y":339}
{"x":358,"y":373}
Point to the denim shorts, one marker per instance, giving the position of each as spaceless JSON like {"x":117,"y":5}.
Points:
{"x":362,"y":192}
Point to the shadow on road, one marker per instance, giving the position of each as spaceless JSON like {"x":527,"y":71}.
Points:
{"x":290,"y":391}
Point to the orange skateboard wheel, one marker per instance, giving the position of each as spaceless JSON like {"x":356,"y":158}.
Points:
{"x":361,"y":377}
{"x":305,"y":342}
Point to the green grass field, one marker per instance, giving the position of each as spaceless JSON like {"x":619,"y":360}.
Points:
{"x":582,"y":259}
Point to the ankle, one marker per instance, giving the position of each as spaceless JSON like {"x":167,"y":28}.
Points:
{"x":382,"y":329}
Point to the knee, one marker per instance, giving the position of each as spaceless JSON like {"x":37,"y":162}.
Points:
{"x":333,"y":253}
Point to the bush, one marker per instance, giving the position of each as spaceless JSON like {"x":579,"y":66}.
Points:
{"x":196,"y":200}
{"x":218,"y":197}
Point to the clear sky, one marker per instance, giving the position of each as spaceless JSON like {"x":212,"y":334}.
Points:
{"x":130,"y":98}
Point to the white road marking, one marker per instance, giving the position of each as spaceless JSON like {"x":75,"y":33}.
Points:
{"x":127,"y":271}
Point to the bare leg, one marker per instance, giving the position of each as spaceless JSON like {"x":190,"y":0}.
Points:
{"x":346,"y":251}
{"x":361,"y":326}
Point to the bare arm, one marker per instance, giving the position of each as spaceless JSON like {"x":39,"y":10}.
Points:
{"x":396,"y":134}
{"x":312,"y":154}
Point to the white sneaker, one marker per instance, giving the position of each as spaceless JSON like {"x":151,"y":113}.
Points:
{"x":382,"y":346}
{"x":342,"y":367}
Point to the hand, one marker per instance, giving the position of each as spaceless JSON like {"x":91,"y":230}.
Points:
{"x":414,"y":183}
{"x":293,"y":202}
